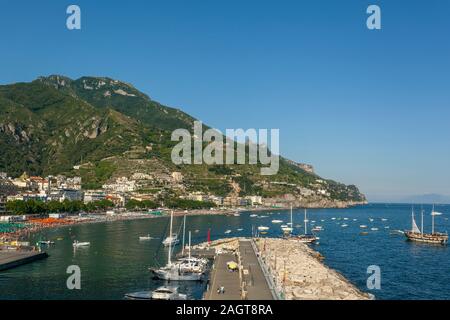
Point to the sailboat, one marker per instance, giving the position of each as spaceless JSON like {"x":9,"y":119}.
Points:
{"x":193,"y":264}
{"x":416,"y":234}
{"x":175,"y":271}
{"x":287,"y":230}
{"x":307,"y":238}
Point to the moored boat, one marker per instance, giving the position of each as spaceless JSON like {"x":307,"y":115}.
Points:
{"x":416,"y":234}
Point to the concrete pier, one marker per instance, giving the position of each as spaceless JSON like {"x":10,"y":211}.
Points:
{"x":12,"y":259}
{"x":247,"y":283}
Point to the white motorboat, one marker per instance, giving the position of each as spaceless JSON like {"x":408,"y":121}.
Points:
{"x":228,"y":231}
{"x":77,"y":244}
{"x":45,"y":242}
{"x":277,"y":221}
{"x":363,"y":226}
{"x":263,"y":228}
{"x":344,"y":225}
{"x":374,"y":229}
{"x":253,"y":215}
{"x":147,"y":237}
{"x":171,"y":240}
{"x":162,"y":293}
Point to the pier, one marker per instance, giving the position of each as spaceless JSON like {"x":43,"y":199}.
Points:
{"x":247,"y":282}
{"x":12,"y":259}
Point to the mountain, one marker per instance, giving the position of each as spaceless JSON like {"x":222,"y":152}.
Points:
{"x":107,"y":129}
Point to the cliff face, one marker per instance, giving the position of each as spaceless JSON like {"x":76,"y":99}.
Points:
{"x":50,"y":125}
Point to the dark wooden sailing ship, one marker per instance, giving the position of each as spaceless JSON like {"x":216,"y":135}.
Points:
{"x":416,"y":234}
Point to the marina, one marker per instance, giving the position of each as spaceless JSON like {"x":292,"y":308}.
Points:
{"x":343,"y":251}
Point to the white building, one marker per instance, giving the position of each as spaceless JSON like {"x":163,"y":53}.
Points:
{"x":94,"y":195}
{"x":121,"y":185}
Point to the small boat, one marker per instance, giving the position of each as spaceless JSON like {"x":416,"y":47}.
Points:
{"x":240,"y":229}
{"x":333,"y":218}
{"x":228,"y":232}
{"x":374,"y":229}
{"x":277,"y":221}
{"x":253,"y":215}
{"x":147,"y":237}
{"x":370,"y":219}
{"x":387,"y":227}
{"x":263,"y":228}
{"x":236,"y":214}
{"x":77,"y":244}
{"x":364,"y":233}
{"x":284,"y":226}
{"x":355,"y":219}
{"x":384,"y":219}
{"x":306,"y":238}
{"x":171,"y":240}
{"x":45,"y":242}
{"x":363,"y":226}
{"x":162,"y":293}
{"x":345,"y":218}
{"x":344,"y":225}
{"x":317,"y":228}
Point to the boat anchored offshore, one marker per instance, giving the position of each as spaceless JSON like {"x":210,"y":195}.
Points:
{"x":306,"y":238}
{"x":77,"y":244}
{"x":416,"y":234}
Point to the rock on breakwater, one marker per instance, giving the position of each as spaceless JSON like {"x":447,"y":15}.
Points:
{"x":298,"y":270}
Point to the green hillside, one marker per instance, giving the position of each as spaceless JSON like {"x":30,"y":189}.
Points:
{"x":109,"y":127}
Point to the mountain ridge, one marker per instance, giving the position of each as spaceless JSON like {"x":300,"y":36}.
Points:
{"x":54,"y":123}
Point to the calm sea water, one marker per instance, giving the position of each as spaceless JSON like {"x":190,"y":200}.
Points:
{"x":117,"y":262}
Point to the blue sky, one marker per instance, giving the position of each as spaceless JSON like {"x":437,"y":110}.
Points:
{"x":370,"y":108}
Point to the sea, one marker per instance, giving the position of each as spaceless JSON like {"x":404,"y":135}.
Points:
{"x":117,"y":262}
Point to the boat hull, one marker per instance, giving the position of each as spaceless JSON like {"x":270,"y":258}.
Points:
{"x":436,"y":238}
{"x":176,"y":275}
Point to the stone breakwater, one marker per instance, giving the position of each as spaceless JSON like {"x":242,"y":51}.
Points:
{"x":300,"y":274}
{"x":297,"y":270}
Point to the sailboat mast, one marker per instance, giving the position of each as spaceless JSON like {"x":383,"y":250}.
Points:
{"x":421,"y":226}
{"x":169,"y":261}
{"x":291,"y":216}
{"x":184,"y":233}
{"x":306,"y":224}
{"x":432,"y":220}
{"x":189,"y":245}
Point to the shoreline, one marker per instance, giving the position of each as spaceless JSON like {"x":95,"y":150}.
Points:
{"x":35,"y":225}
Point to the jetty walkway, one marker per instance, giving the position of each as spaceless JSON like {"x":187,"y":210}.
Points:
{"x":248,"y":282}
